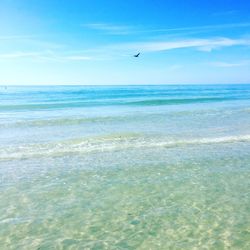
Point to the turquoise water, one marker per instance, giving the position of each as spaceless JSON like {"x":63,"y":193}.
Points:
{"x":129,"y":167}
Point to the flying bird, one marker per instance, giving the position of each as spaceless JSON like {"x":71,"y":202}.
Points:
{"x":137,"y":55}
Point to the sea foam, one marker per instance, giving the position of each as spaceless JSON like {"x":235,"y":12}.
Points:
{"x":107,"y":143}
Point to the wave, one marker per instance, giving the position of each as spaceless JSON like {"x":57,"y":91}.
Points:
{"x":105,"y":144}
{"x":68,"y":121}
{"x":71,"y":121}
{"x":61,"y":121}
{"x":179,"y":101}
{"x":113,"y":102}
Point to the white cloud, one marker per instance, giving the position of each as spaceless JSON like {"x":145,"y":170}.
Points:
{"x":19,"y":54}
{"x":110,"y":28}
{"x":199,"y":29}
{"x":121,"y":50}
{"x":44,"y":56}
{"x":125,"y":29}
{"x":200,"y":44}
{"x":230,"y":64}
{"x":78,"y":58}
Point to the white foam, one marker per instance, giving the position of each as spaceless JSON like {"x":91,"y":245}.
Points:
{"x":105,"y":144}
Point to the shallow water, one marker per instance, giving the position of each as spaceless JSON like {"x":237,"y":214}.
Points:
{"x":131,"y":167}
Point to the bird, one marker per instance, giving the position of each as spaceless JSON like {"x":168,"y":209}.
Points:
{"x":137,"y":55}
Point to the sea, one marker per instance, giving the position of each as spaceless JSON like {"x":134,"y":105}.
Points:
{"x":125,"y":167}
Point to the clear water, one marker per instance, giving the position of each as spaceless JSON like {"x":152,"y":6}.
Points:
{"x":131,"y":167}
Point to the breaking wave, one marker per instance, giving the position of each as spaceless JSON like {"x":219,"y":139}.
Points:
{"x":105,"y":144}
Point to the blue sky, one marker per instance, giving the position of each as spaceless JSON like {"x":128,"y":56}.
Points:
{"x":92,"y":41}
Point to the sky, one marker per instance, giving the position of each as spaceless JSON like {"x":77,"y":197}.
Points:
{"x":92,"y":42}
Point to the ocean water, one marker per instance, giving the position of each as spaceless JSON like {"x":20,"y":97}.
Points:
{"x":125,"y":167}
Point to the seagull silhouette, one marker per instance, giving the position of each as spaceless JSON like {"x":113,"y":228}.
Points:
{"x":137,"y":55}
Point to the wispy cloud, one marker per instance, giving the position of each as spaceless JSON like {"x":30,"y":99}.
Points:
{"x":125,"y":29}
{"x":38,"y":41}
{"x":110,"y":28}
{"x":203,"y":28}
{"x":122,"y":50}
{"x":230,"y":64}
{"x":15,"y":37}
{"x":19,"y":54}
{"x":200,"y":44}
{"x":45,"y":56}
{"x":78,"y":58}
